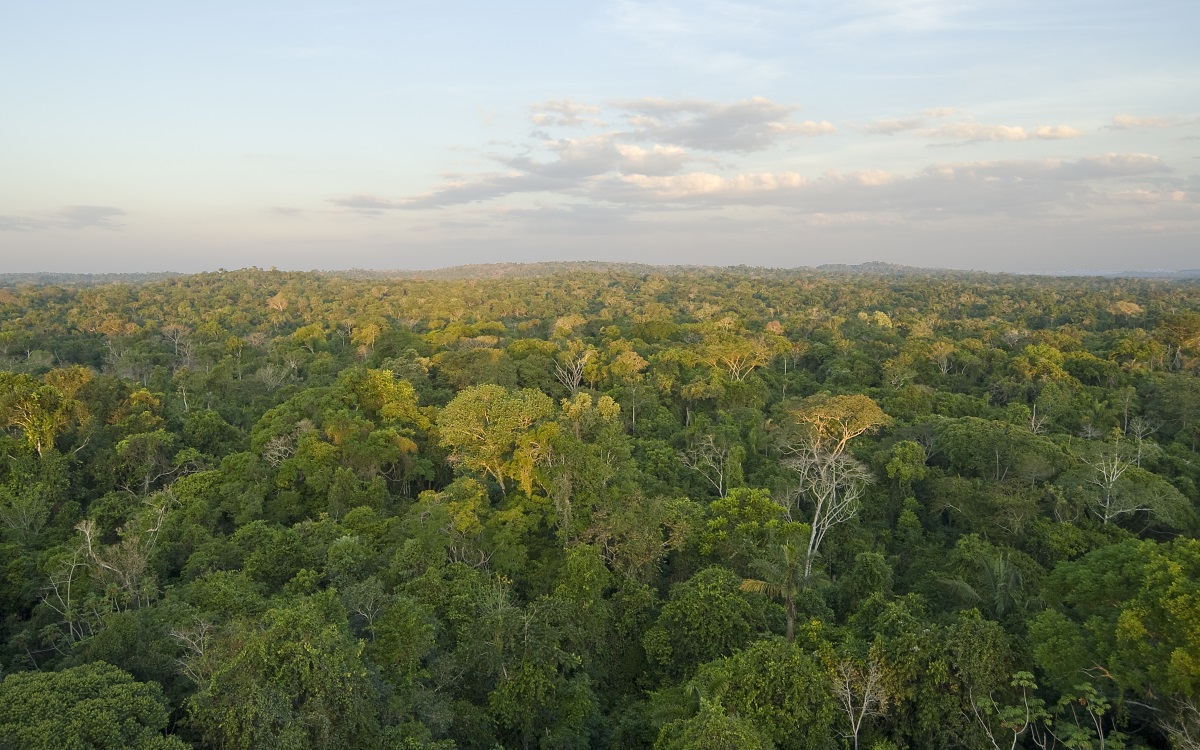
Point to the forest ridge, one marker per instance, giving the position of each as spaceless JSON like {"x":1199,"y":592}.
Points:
{"x":550,"y":268}
{"x":600,"y":506}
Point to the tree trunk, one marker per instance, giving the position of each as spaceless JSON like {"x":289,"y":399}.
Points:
{"x":791,"y":616}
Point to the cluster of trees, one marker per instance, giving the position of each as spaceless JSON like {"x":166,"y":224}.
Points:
{"x":600,"y":508}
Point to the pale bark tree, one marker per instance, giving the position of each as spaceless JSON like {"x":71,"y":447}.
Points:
{"x":570,"y":367}
{"x":861,"y":692}
{"x":832,"y":481}
{"x":1109,"y":502}
{"x":711,"y":460}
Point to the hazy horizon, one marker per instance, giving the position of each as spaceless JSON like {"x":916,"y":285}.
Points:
{"x":931,"y":133}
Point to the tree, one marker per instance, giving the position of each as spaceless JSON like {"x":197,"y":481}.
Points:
{"x":783,"y":572}
{"x":1005,"y":725}
{"x":1125,"y":617}
{"x":719,"y":463}
{"x":1115,"y":489}
{"x":483,"y":424}
{"x":832,"y":481}
{"x":830,"y":422}
{"x":705,"y":618}
{"x":735,"y":353}
{"x":999,"y":586}
{"x":712,"y":729}
{"x":782,"y":689}
{"x":293,"y":681}
{"x":906,"y":465}
{"x":310,"y":336}
{"x":860,"y":690}
{"x":92,"y":706}
{"x":40,"y":411}
{"x":570,"y":367}
{"x":523,"y":651}
{"x":834,"y":484}
{"x":124,"y":568}
{"x":1182,"y":331}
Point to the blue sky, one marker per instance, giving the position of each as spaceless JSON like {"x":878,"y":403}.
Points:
{"x":1013,"y":136}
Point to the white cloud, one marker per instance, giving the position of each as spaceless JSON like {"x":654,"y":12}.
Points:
{"x":1133,"y":122}
{"x":656,"y":160}
{"x":661,"y":155}
{"x":597,"y":170}
{"x":970,"y":131}
{"x":696,"y":184}
{"x":564,"y":113}
{"x":966,"y":129}
{"x":1056,"y":132}
{"x":1029,"y":188}
{"x":748,"y":125}
{"x":892,"y":126}
{"x":69,"y":217}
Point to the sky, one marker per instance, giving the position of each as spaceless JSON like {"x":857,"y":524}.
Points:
{"x":1017,"y":136}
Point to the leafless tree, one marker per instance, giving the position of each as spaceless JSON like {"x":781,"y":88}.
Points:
{"x":61,"y":596}
{"x":569,"y":371}
{"x":194,"y":639}
{"x":1110,"y":502}
{"x":833,"y":483}
{"x":273,"y":376}
{"x":1037,"y":423}
{"x":1182,"y":724}
{"x":1140,"y":429}
{"x":709,"y":460}
{"x":125,"y":564}
{"x":860,"y":691}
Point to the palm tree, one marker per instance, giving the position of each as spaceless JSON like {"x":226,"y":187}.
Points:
{"x":1001,"y":586}
{"x":783,"y":574}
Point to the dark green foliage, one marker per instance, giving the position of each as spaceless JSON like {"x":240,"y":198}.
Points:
{"x":93,"y":706}
{"x":293,"y":681}
{"x":585,"y":507}
{"x":782,"y":690}
{"x":705,"y":618}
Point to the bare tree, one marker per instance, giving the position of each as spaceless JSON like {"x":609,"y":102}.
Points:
{"x":126,"y":563}
{"x":1182,"y":724}
{"x":194,"y":639}
{"x":1037,"y":424}
{"x":570,"y":370}
{"x":711,"y":461}
{"x":1141,"y":429}
{"x":1111,"y":501}
{"x":176,"y":333}
{"x":62,"y":596}
{"x":860,"y":691}
{"x":834,"y":483}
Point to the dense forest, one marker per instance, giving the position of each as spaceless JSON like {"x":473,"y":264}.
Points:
{"x":590,"y":507}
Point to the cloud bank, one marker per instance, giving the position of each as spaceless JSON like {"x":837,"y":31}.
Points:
{"x":672,"y":154}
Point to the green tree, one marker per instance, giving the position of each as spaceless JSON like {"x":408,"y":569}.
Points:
{"x":712,"y":729}
{"x":94,"y":706}
{"x":293,"y":681}
{"x":782,"y":571}
{"x":782,"y":689}
{"x":483,"y":425}
{"x":705,"y":618}
{"x":1127,"y":616}
{"x":40,"y":411}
